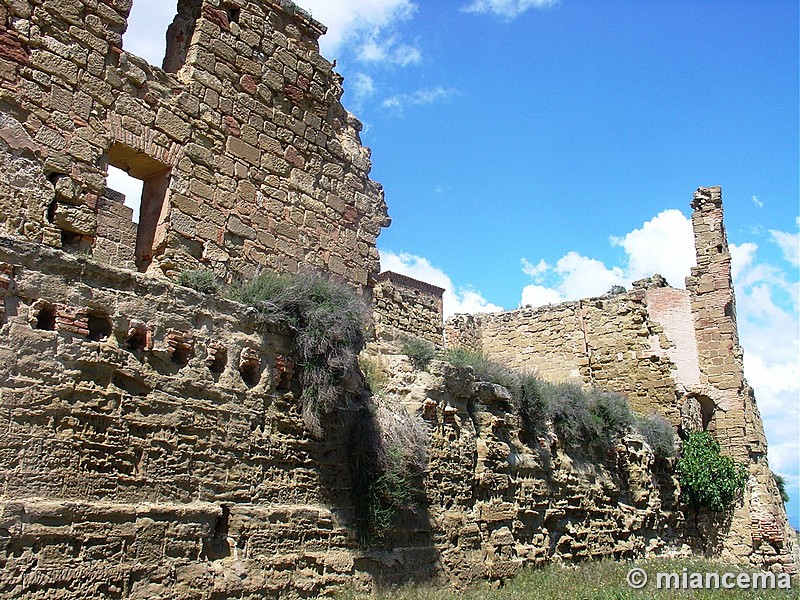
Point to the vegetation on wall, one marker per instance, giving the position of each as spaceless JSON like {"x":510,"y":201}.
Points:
{"x":388,"y":453}
{"x":529,"y":392}
{"x":330,"y":322}
{"x":658,"y":434}
{"x":201,"y":280}
{"x":420,"y":352}
{"x":708,"y":478}
{"x":581,"y":418}
{"x":781,"y":483}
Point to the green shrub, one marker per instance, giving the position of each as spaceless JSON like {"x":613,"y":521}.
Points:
{"x":420,"y":352}
{"x":658,"y":434}
{"x":529,"y":392}
{"x":612,"y":412}
{"x":781,"y":483}
{"x":709,"y":479}
{"x":572,"y":418}
{"x":201,"y":280}
{"x":530,"y":400}
{"x":485,"y":368}
{"x":329,"y":321}
{"x":616,"y":290}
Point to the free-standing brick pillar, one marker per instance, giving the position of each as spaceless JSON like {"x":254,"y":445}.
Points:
{"x":759,"y":531}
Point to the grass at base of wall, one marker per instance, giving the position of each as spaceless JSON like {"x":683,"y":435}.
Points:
{"x":597,"y":580}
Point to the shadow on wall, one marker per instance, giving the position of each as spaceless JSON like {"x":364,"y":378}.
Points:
{"x":388,"y":458}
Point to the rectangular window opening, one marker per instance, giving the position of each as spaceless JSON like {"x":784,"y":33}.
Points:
{"x":132,"y":210}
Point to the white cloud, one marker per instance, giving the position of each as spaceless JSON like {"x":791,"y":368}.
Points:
{"x":421,"y":97}
{"x":789,"y":243}
{"x":767,"y":303}
{"x":758,"y":202}
{"x":389,"y":49}
{"x":508,"y":9}
{"x":575,"y":276}
{"x":741,"y":257}
{"x":536,"y":271}
{"x":366,"y":26}
{"x":362,"y":87}
{"x":582,"y":277}
{"x":663,"y":245}
{"x":455,"y":300}
{"x":539,"y":295}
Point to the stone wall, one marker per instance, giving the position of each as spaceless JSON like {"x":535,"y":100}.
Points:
{"x":671,"y":351}
{"x":406,"y":307}
{"x":153,"y":447}
{"x":759,"y":530}
{"x":610,"y":342}
{"x":247,"y":156}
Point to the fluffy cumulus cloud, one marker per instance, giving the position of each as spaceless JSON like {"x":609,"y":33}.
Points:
{"x":368,"y":26}
{"x":455,"y":300}
{"x":789,"y":243}
{"x":575,"y":276}
{"x":507,"y":9}
{"x":664,"y":245}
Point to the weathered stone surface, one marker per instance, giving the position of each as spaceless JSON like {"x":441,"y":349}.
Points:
{"x":105,"y":106}
{"x":405,"y":307}
{"x":670,"y":351}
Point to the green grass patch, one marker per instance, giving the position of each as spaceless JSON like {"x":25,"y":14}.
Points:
{"x":597,"y":580}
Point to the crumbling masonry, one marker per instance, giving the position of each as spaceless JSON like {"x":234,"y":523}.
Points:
{"x":152,"y":443}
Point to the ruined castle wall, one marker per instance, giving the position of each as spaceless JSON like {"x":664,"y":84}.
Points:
{"x":247,"y":156}
{"x":611,"y":342}
{"x":675,"y":352}
{"x":404,"y":307}
{"x":498,"y":500}
{"x":153,"y":446}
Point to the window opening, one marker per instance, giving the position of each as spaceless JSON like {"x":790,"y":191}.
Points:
{"x":99,"y":327}
{"x":46,"y":317}
{"x":147,"y":211}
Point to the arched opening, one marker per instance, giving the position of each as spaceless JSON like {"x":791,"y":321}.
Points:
{"x":707,"y":407}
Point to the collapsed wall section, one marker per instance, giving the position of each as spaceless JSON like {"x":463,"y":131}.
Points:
{"x":758,"y":531}
{"x":247,"y":156}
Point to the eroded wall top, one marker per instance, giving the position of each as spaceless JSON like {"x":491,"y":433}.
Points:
{"x":246,"y":153}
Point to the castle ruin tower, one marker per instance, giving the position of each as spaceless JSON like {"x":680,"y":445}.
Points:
{"x":759,"y":531}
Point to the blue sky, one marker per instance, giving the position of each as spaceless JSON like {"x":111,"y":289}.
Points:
{"x":534,"y":151}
